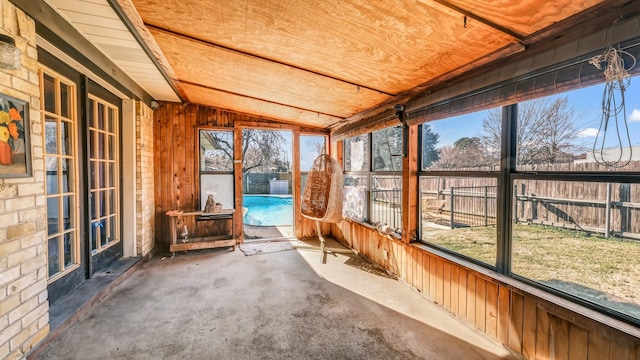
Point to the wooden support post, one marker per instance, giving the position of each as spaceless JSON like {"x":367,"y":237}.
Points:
{"x":297,"y":188}
{"x":237,"y":172}
{"x":410,"y":185}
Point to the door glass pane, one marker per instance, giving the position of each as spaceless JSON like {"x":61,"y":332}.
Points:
{"x":94,"y":205}
{"x":91,"y":114}
{"x":103,"y":204}
{"x":113,"y":231}
{"x":92,"y":174}
{"x":69,"y":244}
{"x":67,"y":176}
{"x":49,"y":94}
{"x":52,"y":175}
{"x":103,"y":232}
{"x":65,"y":134}
{"x":51,"y":135}
{"x":92,"y":144}
{"x":53,"y":253}
{"x":102,"y":173}
{"x":53,"y":215}
{"x":67,"y":212}
{"x":94,"y":236}
{"x":112,"y":175}
{"x":100,"y":122}
{"x":101,"y":146}
{"x":111,"y":152}
{"x":65,"y":100}
{"x":111,"y":119}
{"x":112,"y":202}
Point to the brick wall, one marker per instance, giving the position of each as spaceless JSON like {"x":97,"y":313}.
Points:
{"x":145,"y":241}
{"x":24,"y":316}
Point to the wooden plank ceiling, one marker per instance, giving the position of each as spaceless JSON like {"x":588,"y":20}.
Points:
{"x":323,"y":62}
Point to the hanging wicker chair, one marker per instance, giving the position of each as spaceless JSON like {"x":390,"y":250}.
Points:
{"x":322,"y":197}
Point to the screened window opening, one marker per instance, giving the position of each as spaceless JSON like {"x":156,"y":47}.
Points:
{"x":459,"y":214}
{"x":581,"y":238}
{"x":216,"y":167}
{"x":373,"y":179}
{"x":577,"y":131}
{"x":468,"y":142}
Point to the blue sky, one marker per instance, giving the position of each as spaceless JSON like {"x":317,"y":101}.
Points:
{"x":587,"y":103}
{"x":308,"y":153}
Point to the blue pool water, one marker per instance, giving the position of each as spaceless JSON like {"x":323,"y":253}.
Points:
{"x":268,"y":210}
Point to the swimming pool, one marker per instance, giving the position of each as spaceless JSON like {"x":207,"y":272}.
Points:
{"x":268,"y":210}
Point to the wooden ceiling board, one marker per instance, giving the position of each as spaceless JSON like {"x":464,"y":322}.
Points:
{"x":219,"y":68}
{"x":389,"y":46}
{"x":523,"y":16}
{"x":210,"y":97}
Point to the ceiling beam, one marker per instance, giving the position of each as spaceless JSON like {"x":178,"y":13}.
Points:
{"x":594,"y":19}
{"x":208,"y":43}
{"x":405,"y":96}
{"x":259,"y":99}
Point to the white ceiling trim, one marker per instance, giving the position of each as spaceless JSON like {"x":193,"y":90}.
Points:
{"x":96,"y":21}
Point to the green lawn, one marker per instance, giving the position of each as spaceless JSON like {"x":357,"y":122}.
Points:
{"x":606,"y":271}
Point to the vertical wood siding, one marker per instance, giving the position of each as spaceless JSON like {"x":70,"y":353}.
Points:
{"x":176,"y":168}
{"x":523,"y":322}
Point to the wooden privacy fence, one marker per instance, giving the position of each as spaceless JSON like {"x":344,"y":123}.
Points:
{"x":603,"y":208}
{"x":460,"y":206}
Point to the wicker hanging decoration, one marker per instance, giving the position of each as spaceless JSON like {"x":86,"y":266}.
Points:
{"x":322,"y":196}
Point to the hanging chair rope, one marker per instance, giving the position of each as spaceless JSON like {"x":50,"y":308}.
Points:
{"x":613,"y":109}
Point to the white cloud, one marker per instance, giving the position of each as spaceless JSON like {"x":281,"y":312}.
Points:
{"x":588,"y":132}
{"x":635,"y":115}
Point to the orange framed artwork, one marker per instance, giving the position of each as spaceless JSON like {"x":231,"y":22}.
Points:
{"x":15,"y":147}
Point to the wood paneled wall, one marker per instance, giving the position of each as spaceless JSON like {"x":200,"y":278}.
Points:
{"x":529,"y":325}
{"x":176,"y":167}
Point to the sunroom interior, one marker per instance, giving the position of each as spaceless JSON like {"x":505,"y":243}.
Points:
{"x":489,"y":150}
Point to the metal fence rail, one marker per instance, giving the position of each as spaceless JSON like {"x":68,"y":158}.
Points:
{"x":386,"y":208}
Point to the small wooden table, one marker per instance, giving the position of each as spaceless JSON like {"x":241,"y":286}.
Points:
{"x":209,"y":241}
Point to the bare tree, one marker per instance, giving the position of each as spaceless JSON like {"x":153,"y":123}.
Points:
{"x":546,"y":131}
{"x":262,"y":151}
{"x":466,"y":152}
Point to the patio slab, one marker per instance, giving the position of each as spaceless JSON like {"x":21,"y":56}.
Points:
{"x":219,"y":304}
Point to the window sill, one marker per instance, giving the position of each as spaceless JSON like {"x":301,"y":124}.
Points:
{"x":393,"y":235}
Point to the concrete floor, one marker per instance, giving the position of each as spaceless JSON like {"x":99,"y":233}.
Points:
{"x":219,"y":304}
